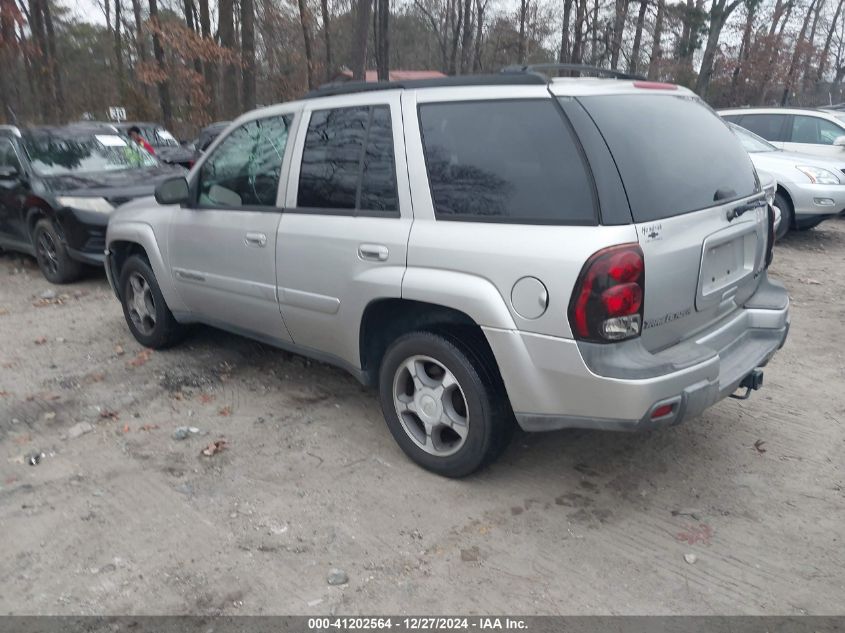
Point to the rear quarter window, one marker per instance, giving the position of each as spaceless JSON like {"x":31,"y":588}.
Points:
{"x":673,"y":152}
{"x":505,"y":161}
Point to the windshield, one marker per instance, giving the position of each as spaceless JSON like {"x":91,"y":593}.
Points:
{"x":675,"y":155}
{"x":750,"y":141}
{"x":160,"y":137}
{"x":56,"y":154}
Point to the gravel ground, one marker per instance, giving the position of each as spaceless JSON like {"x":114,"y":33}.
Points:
{"x":739,"y":511}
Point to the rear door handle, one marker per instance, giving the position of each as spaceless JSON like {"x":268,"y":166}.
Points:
{"x":373,"y":252}
{"x":256,"y":239}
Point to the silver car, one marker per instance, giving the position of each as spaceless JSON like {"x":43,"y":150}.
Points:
{"x":485,"y":251}
{"x":816,"y":131}
{"x":810,"y":189}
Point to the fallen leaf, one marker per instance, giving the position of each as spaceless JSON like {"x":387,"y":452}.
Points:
{"x":118,"y":349}
{"x":3,"y":312}
{"x":126,"y":428}
{"x":205,"y":398}
{"x":23,"y":439}
{"x":811,"y":282}
{"x":95,"y":377}
{"x":214,"y":448}
{"x":148,"y":427}
{"x":142,"y":357}
{"x":41,"y":340}
{"x":225,"y":411}
{"x":759,"y":446}
{"x":108,"y":414}
{"x":696,"y":534}
{"x":4,"y":394}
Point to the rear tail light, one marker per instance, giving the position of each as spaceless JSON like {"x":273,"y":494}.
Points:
{"x":607,"y":304}
{"x":770,"y":235}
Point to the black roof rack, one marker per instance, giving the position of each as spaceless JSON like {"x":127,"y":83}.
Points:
{"x":512,"y":75}
{"x":573,"y":68}
{"x":499,"y":79}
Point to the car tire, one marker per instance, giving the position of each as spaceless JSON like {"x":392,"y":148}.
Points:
{"x":444,"y":403}
{"x":146,"y":313}
{"x":52,"y":255}
{"x":787,"y":215}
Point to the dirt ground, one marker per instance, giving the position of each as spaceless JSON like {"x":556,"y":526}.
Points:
{"x":119,"y":517}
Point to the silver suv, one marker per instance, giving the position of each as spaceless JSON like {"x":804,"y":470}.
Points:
{"x":561,"y":253}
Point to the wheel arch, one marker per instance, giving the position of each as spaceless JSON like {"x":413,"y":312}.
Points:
{"x":785,"y":192}
{"x":125,"y":239}
{"x":385,"y":320}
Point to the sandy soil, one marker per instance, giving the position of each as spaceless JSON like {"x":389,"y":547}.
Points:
{"x":119,"y":517}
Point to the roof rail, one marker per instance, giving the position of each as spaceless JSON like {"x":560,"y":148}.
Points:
{"x":495,"y":79}
{"x":575,"y":68}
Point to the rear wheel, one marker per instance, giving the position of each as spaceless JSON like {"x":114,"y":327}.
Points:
{"x":146,"y":313}
{"x":443,"y":404}
{"x":52,"y":255}
{"x":787,"y":214}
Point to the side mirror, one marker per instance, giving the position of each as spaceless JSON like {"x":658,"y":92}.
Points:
{"x":173,"y":191}
{"x":839,"y":141}
{"x":8,"y":172}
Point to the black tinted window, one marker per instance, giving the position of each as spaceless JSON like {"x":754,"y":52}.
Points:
{"x":505,"y":161}
{"x":673,"y":153}
{"x":347,"y":162}
{"x":815,"y":130}
{"x":8,"y":157}
{"x":769,"y":126}
{"x":244,"y":169}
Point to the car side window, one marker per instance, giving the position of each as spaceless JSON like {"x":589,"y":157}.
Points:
{"x":505,"y":161}
{"x":8,"y":157}
{"x":245,"y":168}
{"x":811,"y":129}
{"x":348,"y":162}
{"x":769,"y":126}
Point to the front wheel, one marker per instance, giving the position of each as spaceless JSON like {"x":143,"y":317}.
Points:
{"x":147,"y":315}
{"x":443,"y":404}
{"x":52,"y":256}
{"x":787,"y":215}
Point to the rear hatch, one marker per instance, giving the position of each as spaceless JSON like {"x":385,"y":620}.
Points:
{"x":686,"y":177}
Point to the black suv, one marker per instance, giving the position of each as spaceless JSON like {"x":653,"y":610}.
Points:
{"x":58,"y":186}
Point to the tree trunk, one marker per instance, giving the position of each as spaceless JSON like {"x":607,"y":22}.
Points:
{"x":305,"y":23}
{"x":229,"y":87}
{"x":457,"y":24}
{"x":563,"y":56}
{"x":620,"y":16}
{"x":523,"y":15}
{"x":796,"y":55}
{"x":118,"y":53}
{"x":656,"y":51}
{"x":209,"y":68}
{"x":55,"y":69}
{"x":578,"y":40}
{"x":808,"y":55}
{"x":823,"y":58}
{"x":362,"y":36}
{"x":381,"y":34}
{"x":163,"y":86}
{"x":720,"y":11}
{"x":324,"y":5}
{"x":638,"y":37}
{"x":248,"y":53}
{"x":745,"y":46}
{"x":479,"y":31}
{"x":466,"y":37}
{"x":594,"y":37}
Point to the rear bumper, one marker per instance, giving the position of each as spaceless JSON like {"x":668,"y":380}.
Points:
{"x":556,"y":383}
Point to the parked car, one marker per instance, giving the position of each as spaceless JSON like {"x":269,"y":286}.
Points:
{"x":813,"y":131}
{"x":167,"y":148}
{"x":207,"y":136}
{"x":58,"y":186}
{"x":810,"y":189}
{"x":585,"y":253}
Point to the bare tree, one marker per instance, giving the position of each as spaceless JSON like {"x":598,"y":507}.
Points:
{"x":620,"y":15}
{"x":158,"y":53}
{"x":324,"y":5}
{"x":362,"y":35}
{"x":796,"y":55}
{"x":248,"y":53}
{"x":638,"y":38}
{"x":825,"y":54}
{"x":523,"y":17}
{"x":656,"y":41}
{"x":118,"y":52}
{"x":563,"y":55}
{"x":720,"y":11}
{"x":226,"y":30}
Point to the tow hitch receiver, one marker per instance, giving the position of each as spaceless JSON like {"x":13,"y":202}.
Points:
{"x":752,"y":382}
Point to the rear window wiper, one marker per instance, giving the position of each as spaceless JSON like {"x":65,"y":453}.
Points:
{"x":758,"y":201}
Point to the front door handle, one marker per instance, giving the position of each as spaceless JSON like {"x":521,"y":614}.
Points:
{"x":373,"y":252}
{"x":256,"y":239}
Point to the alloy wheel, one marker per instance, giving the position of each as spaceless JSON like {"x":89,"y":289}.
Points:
{"x":140,"y":304}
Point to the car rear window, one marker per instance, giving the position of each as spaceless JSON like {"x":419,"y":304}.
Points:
{"x":673,"y":152}
{"x":505,"y":161}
